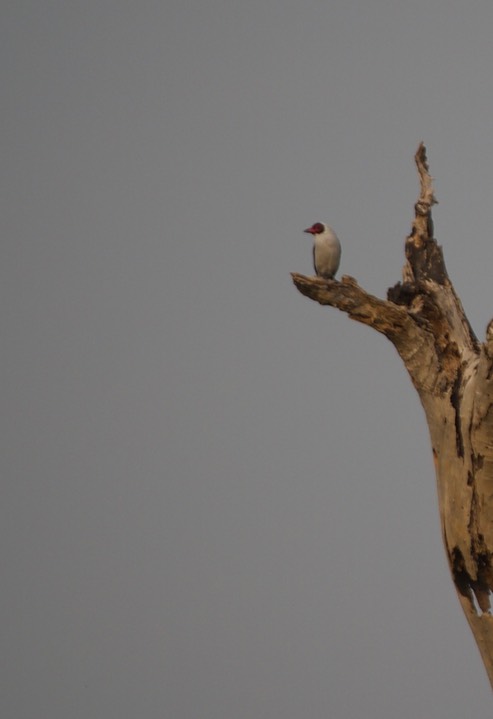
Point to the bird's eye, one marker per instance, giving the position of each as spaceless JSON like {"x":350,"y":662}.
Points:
{"x":318,"y":228}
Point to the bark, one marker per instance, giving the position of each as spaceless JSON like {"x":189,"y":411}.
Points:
{"x":453,"y":375}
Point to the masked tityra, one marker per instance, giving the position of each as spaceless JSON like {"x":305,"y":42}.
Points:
{"x":326,"y":250}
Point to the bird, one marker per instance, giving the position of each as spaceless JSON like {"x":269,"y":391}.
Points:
{"x":326,"y":250}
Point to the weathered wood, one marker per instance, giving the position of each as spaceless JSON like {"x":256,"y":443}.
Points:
{"x":453,"y":375}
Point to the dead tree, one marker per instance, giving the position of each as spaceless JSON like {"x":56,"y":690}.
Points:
{"x":453,"y":375}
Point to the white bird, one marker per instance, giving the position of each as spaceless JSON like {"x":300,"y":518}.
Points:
{"x":326,"y":250}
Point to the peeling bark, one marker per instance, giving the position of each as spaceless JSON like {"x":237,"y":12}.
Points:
{"x":453,"y":375}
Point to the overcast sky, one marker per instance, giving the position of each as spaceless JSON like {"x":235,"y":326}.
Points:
{"x":218,"y":498}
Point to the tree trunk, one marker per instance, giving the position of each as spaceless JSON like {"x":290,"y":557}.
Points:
{"x":453,"y":375}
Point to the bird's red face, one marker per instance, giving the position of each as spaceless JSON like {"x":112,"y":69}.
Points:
{"x":315,"y":229}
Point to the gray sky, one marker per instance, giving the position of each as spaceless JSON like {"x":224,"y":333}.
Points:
{"x":218,"y":497}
